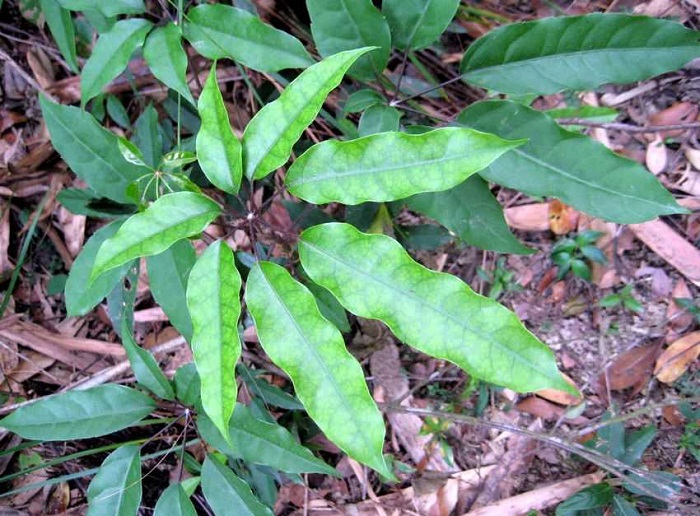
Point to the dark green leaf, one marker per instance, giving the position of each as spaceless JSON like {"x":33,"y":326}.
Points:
{"x":174,"y":502}
{"x":187,"y":384}
{"x":636,"y":443}
{"x":591,"y":497}
{"x":61,"y":25}
{"x":167,"y":59}
{"x":147,"y":137}
{"x":379,"y":119}
{"x":577,"y":53}
{"x":417,"y":23}
{"x":268,"y":393}
{"x":327,"y":304}
{"x":661,"y":484}
{"x":116,"y":489}
{"x":117,"y":112}
{"x":80,"y":201}
{"x":362,"y":99}
{"x":339,"y":25}
{"x":472,"y":212}
{"x":145,"y":367}
{"x":108,"y":8}
{"x":426,"y":237}
{"x":622,"y":507}
{"x":122,"y":298}
{"x":569,"y":166}
{"x":227,"y":494}
{"x":80,"y":414}
{"x":218,"y":31}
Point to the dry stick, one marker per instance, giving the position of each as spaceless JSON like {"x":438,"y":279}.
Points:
{"x":616,"y":126}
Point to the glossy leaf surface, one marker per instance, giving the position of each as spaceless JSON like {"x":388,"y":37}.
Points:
{"x":218,"y":150}
{"x":91,"y":151}
{"x":108,"y":8}
{"x":111,"y":54}
{"x":418,"y":23}
{"x":145,"y":367}
{"x":327,"y":379}
{"x":436,"y":313}
{"x":472,"y":212}
{"x":167,"y":59}
{"x":171,"y":218}
{"x":577,"y":53}
{"x":167,"y":274}
{"x":227,"y":494}
{"x":61,"y":25}
{"x":218,"y":31}
{"x":174,"y":502}
{"x":80,"y":414}
{"x":390,"y":166}
{"x":273,"y":131}
{"x":213,"y":292}
{"x":339,"y":25}
{"x":116,"y":488}
{"x":569,"y":166}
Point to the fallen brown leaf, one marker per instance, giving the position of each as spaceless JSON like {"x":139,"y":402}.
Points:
{"x":679,"y":319}
{"x":529,"y":217}
{"x":561,"y":397}
{"x":676,"y":359}
{"x":678,"y":113}
{"x":656,"y":156}
{"x":541,"y":408}
{"x":632,"y":368}
{"x":562,"y":218}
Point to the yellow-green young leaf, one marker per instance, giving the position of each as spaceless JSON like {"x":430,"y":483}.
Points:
{"x":227,"y":494}
{"x":436,"y":313}
{"x":91,"y":151}
{"x":116,"y":488}
{"x":218,"y":31}
{"x":80,"y":414}
{"x":339,"y":25}
{"x":310,"y":349}
{"x":174,"y":502}
{"x":273,"y":131}
{"x":167,"y":59}
{"x":577,"y":53}
{"x":390,"y":166}
{"x":212,"y":299}
{"x":61,"y":25}
{"x":171,"y":218}
{"x":111,"y":55}
{"x":569,"y":166}
{"x":417,"y":23}
{"x":145,"y":367}
{"x":218,"y":149}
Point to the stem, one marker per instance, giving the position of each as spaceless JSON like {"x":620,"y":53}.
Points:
{"x":616,"y":126}
{"x":179,"y":97}
{"x":396,"y":102}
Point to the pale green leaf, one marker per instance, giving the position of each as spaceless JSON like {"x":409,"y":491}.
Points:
{"x":569,"y":166}
{"x":145,"y":367}
{"x":379,"y":119}
{"x":108,"y":8}
{"x":273,"y":131}
{"x":418,"y":23}
{"x":218,"y":31}
{"x":167,"y":59}
{"x":577,"y":53}
{"x":81,"y":295}
{"x":171,"y":218}
{"x":116,"y":488}
{"x":218,"y":150}
{"x":213,"y":292}
{"x":227,"y":494}
{"x":61,"y":25}
{"x":167,"y":275}
{"x":436,"y":313}
{"x":327,"y":379}
{"x":390,"y":166}
{"x":339,"y":25}
{"x":472,"y":212}
{"x":91,"y":151}
{"x":174,"y":502}
{"x":111,"y":54}
{"x":80,"y":414}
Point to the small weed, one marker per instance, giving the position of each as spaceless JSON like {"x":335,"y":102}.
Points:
{"x":500,"y":279}
{"x":575,"y":254}
{"x":624,"y":298}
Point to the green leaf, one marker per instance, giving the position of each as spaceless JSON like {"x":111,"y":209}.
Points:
{"x":622,"y":507}
{"x":472,"y":212}
{"x":130,"y":152}
{"x":167,"y":59}
{"x":145,"y":367}
{"x":174,"y":502}
{"x":327,"y":303}
{"x":636,"y":443}
{"x":116,"y":488}
{"x":147,"y":137}
{"x":662,"y":485}
{"x":81,"y":201}
{"x":418,"y":23}
{"x":339,"y":25}
{"x":111,"y":54}
{"x":423,"y":237}
{"x":121,"y":301}
{"x":362,"y":99}
{"x":212,"y":299}
{"x":80,"y":414}
{"x":227,"y":494}
{"x":91,"y":151}
{"x":569,"y":166}
{"x":108,"y":8}
{"x":273,"y":131}
{"x":218,"y":150}
{"x":171,"y":218}
{"x":379,"y":119}
{"x":167,"y":274}
{"x":117,"y":112}
{"x":218,"y":31}
{"x":436,"y":313}
{"x":591,"y":497}
{"x":268,"y":393}
{"x":61,"y":25}
{"x":327,"y":379}
{"x":577,"y":53}
{"x":391,"y":166}
{"x":187,"y":384}
{"x":81,"y":295}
